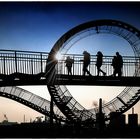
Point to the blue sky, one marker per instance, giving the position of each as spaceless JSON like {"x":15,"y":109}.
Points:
{"x":36,"y":26}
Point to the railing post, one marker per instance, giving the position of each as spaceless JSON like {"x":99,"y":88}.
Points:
{"x":4,"y":65}
{"x":41,"y":62}
{"x":32,"y":66}
{"x":16,"y":61}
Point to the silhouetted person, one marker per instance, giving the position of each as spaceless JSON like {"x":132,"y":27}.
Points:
{"x":114,"y":64}
{"x":99,"y":63}
{"x":119,"y":64}
{"x":86,"y":63}
{"x":69,"y":63}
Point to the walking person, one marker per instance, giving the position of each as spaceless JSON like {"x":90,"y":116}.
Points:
{"x":99,"y":62}
{"x":69,"y":63}
{"x":114,"y":64}
{"x":86,"y":62}
{"x":119,"y":62}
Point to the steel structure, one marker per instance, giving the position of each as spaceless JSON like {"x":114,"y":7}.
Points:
{"x":60,"y":94}
{"x":43,"y":106}
{"x":21,"y":67}
{"x":31,"y":100}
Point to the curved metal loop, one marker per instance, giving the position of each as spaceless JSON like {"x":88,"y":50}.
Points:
{"x":122,"y":102}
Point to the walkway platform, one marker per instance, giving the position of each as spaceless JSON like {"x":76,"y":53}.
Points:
{"x":98,"y":80}
{"x":17,"y":79}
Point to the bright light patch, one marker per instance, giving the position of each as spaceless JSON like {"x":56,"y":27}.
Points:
{"x":59,"y":56}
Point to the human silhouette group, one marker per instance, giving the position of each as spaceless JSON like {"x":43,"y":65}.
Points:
{"x":117,"y":64}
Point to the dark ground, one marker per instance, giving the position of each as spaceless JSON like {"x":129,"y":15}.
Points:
{"x":43,"y":130}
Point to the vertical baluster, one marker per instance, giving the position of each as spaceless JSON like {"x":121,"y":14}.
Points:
{"x":4,"y":65}
{"x":25,"y":65}
{"x":32,"y":71}
{"x":16,"y":61}
{"x":35,"y":65}
{"x":124,"y":69}
{"x":28,"y":69}
{"x":38,"y":64}
{"x":7,"y":63}
{"x":11,"y":61}
{"x":41,"y":67}
{"x":128,"y":66}
{"x":21,"y":64}
{"x":111,"y":67}
{"x":6,"y":56}
{"x":73,"y":65}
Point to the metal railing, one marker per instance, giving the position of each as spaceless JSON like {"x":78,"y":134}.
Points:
{"x":130,"y":65}
{"x":22,"y":62}
{"x":27,"y":62}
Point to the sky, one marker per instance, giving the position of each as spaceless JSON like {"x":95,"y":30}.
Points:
{"x":36,"y":26}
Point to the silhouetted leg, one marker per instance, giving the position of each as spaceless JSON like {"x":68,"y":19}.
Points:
{"x":88,"y":72}
{"x":114,"y":73}
{"x":98,"y":71}
{"x":103,"y":72}
{"x":120,"y":73}
{"x":84,"y":69}
{"x":68,"y":70}
{"x":84,"y":72}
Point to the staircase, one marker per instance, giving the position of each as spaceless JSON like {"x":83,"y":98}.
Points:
{"x":61,"y":101}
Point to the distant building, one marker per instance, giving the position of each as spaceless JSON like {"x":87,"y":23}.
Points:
{"x":100,"y":121}
{"x":100,"y":117}
{"x":133,"y":120}
{"x":117,"y":120}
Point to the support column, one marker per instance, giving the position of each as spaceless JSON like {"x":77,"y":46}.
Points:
{"x":100,"y":106}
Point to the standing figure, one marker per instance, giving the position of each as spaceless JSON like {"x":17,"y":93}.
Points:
{"x":86,"y":63}
{"x":69,"y":63}
{"x":114,"y":64}
{"x":119,"y":63}
{"x":99,"y":63}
